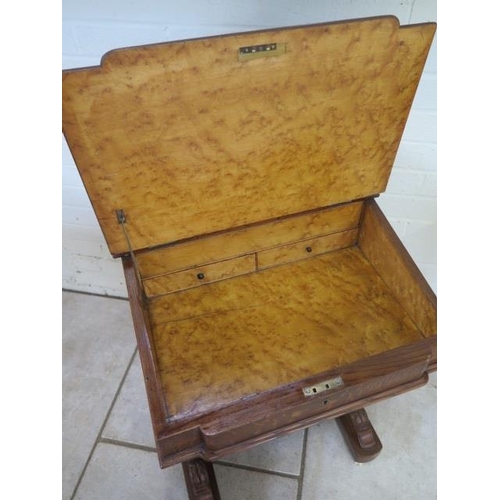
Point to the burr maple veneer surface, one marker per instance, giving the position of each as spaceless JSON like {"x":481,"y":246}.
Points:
{"x":219,"y":343}
{"x":188,"y":140}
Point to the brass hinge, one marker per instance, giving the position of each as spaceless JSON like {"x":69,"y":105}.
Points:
{"x":120,"y":215}
{"x":122,"y":220}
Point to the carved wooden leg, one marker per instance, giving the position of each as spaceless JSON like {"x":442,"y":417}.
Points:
{"x":360,"y":435}
{"x":200,"y":480}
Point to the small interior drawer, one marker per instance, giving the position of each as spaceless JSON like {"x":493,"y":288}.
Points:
{"x":306,"y":248}
{"x":200,"y":275}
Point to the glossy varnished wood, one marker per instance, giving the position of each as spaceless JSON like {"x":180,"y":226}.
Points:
{"x":238,"y":337}
{"x":188,"y":140}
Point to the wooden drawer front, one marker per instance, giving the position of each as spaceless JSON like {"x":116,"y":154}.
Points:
{"x":249,"y":239}
{"x":197,"y":276}
{"x":306,"y":248}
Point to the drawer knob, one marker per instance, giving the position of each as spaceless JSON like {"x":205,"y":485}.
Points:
{"x":309,"y":249}
{"x":200,"y":276}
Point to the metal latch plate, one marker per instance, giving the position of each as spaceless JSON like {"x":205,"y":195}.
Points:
{"x":333,"y":383}
{"x":258,"y":51}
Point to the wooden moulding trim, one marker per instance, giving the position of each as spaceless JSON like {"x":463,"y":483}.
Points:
{"x":433,"y":362}
{"x":387,"y":254}
{"x":358,"y":371}
{"x":312,"y":420}
{"x":167,"y":460}
{"x":156,"y":400}
{"x":220,"y":434}
{"x":263,"y":417}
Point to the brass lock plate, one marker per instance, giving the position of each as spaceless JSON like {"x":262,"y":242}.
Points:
{"x":333,"y":383}
{"x":258,"y":51}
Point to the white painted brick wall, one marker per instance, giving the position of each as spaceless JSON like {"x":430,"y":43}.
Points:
{"x":93,"y":27}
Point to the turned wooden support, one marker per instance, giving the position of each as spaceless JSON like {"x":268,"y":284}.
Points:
{"x":360,"y":435}
{"x":200,"y":479}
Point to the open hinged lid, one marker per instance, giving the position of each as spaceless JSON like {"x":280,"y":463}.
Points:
{"x":193,"y":137}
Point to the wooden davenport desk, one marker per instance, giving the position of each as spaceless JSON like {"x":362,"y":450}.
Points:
{"x":236,"y":177}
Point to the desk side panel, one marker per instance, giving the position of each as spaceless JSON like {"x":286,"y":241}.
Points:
{"x":145,"y":344}
{"x":384,"y":250}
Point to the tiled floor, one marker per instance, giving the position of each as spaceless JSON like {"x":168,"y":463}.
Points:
{"x":108,"y":446}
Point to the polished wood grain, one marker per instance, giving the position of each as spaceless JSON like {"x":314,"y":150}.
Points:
{"x":306,"y":249}
{"x":255,"y":238}
{"x":249,"y":334}
{"x":187,"y":140}
{"x":199,"y":276}
{"x":382,"y":247}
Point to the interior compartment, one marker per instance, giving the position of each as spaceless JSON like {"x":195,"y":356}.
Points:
{"x":228,"y":340}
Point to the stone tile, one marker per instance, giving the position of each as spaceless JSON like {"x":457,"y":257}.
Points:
{"x":279,"y":455}
{"x":241,"y":484}
{"x":406,"y":467}
{"x":98,"y":342}
{"x":122,"y":473}
{"x":130,"y":420}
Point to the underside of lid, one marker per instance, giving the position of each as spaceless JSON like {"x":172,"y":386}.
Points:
{"x":194,"y":137}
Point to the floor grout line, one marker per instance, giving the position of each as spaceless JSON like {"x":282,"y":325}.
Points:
{"x":106,"y":418}
{"x":94,"y":294}
{"x":302,"y":465}
{"x":126,"y":444}
{"x":256,"y":469}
